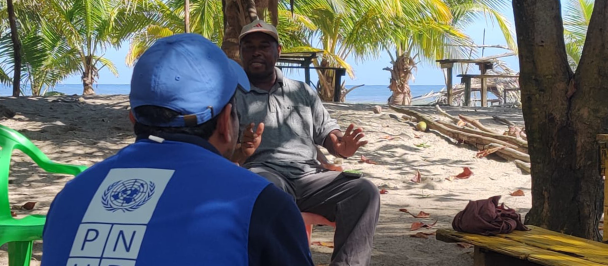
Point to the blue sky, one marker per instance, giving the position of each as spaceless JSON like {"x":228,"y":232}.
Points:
{"x":369,"y":72}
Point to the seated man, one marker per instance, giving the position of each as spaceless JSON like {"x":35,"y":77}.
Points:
{"x":291,"y":122}
{"x":172,"y":197}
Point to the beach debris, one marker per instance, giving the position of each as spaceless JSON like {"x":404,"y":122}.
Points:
{"x":424,"y":235}
{"x":394,"y":117}
{"x":417,"y":225}
{"x":421,"y":214}
{"x":518,"y":192}
{"x":323,"y":244}
{"x":422,"y":145}
{"x":388,"y":137}
{"x":417,"y":136}
{"x":476,"y":123}
{"x":466,"y":173}
{"x":417,"y":178}
{"x":502,"y":120}
{"x":525,"y":167}
{"x":421,"y":126}
{"x":486,"y":152}
{"x":516,"y":132}
{"x":29,"y":205}
{"x":514,"y":149}
{"x":464,"y":245}
{"x":408,"y":118}
{"x":14,"y":214}
{"x":365,"y":160}
{"x":383,"y":191}
{"x":377,"y":109}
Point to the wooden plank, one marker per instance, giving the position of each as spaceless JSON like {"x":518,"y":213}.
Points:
{"x":504,"y":245}
{"x":554,"y":241}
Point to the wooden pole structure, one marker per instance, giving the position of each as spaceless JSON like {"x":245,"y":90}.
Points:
{"x":484,"y":86}
{"x":187,"y":16}
{"x":467,"y":90}
{"x":448,"y":81}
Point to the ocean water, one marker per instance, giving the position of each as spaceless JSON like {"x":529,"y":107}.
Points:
{"x":364,"y":94}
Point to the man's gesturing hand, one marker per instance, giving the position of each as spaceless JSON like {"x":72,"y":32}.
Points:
{"x":251,"y":140}
{"x":348,"y":144}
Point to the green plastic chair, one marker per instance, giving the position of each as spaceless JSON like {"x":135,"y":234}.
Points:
{"x":21,"y":233}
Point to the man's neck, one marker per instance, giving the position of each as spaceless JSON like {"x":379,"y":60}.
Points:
{"x":265,"y":83}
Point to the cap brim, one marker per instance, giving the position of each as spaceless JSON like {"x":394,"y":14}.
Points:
{"x":262,"y":30}
{"x":242,"y":79}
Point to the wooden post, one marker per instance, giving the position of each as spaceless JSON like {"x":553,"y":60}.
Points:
{"x":306,"y":66}
{"x":339,"y":72}
{"x":448,"y":81}
{"x":467,"y":90}
{"x":483,"y":67}
{"x":484,"y":87}
{"x":449,"y":85}
{"x":187,"y":16}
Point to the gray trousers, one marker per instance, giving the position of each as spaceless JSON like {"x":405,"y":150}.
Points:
{"x":353,"y":203}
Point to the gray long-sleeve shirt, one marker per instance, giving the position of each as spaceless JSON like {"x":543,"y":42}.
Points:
{"x":295,"y":120}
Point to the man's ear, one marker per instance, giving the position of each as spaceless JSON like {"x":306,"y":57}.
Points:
{"x":280,"y":47}
{"x":224,"y":125}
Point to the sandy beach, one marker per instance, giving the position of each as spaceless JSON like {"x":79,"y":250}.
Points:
{"x":87,"y":130}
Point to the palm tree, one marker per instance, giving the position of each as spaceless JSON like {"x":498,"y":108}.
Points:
{"x":434,"y":35}
{"x":46,"y":59}
{"x":343,"y":28}
{"x":16,"y":48}
{"x":90,"y":26}
{"x":576,"y":21}
{"x":167,"y":18}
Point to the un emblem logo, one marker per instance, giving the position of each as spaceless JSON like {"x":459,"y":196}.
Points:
{"x":127,"y":195}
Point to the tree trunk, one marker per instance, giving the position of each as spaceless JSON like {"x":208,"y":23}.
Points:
{"x":187,"y":16}
{"x":401,"y":73}
{"x":16,"y":48}
{"x":88,"y":76}
{"x":326,"y":82}
{"x":237,"y":14}
{"x":563,"y":113}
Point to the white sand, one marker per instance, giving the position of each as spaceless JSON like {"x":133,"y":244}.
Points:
{"x":87,"y":131}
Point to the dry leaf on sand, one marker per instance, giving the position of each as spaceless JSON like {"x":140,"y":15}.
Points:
{"x":518,"y":192}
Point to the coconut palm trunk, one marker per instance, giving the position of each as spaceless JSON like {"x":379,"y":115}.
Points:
{"x":236,"y":15}
{"x":401,"y":73}
{"x":88,"y":76}
{"x":16,"y":48}
{"x":326,"y":81}
{"x":187,"y":16}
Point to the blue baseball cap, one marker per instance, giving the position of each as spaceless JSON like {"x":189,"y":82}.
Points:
{"x":188,"y":74}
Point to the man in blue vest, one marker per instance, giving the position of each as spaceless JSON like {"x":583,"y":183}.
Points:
{"x":172,"y":197}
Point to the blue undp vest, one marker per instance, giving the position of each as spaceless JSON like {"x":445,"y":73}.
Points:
{"x":169,"y":203}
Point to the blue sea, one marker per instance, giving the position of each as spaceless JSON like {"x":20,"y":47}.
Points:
{"x":364,"y":94}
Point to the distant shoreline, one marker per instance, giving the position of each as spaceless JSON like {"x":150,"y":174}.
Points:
{"x":372,"y":94}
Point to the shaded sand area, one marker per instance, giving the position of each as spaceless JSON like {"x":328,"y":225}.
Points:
{"x":87,"y":130}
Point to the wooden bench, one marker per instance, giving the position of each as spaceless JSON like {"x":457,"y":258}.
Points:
{"x":535,"y":247}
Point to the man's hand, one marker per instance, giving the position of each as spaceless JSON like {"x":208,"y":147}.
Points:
{"x":349,"y":143}
{"x":251,"y":140}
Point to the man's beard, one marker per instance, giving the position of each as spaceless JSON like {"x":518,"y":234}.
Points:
{"x":260,"y":75}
